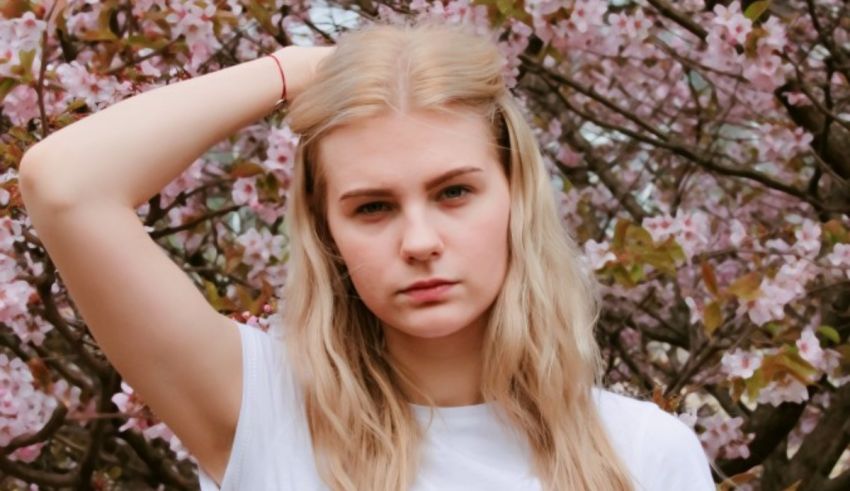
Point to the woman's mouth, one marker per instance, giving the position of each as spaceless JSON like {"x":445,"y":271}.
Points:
{"x":429,"y":293}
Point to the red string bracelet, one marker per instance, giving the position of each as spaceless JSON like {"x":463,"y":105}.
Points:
{"x":283,"y":79}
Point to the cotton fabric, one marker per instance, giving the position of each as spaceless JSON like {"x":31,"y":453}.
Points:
{"x":466,"y":448}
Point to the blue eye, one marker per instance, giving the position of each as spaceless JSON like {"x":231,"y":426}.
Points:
{"x":370,"y":208}
{"x":464,"y":190}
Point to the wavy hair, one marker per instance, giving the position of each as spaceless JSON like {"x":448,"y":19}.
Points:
{"x":541,"y":360}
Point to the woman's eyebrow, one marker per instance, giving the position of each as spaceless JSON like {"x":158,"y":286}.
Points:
{"x":436,"y":181}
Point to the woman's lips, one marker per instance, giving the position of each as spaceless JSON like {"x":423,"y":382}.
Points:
{"x":430,"y":294}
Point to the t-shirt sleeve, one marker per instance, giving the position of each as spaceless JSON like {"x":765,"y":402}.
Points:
{"x":674,"y":455}
{"x":261,"y":393}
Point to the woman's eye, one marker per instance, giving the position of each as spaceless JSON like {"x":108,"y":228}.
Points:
{"x":454,"y":192}
{"x":370,"y":208}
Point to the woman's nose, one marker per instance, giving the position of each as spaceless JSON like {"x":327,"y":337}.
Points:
{"x":420,"y":240}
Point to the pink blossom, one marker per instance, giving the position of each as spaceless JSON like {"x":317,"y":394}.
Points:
{"x":736,"y":25}
{"x":724,"y":438}
{"x":638,"y":26}
{"x":598,"y":254}
{"x":762,"y":310}
{"x":191,"y":20}
{"x":787,"y":389}
{"x":660,"y":227}
{"x":840,"y":257}
{"x":689,"y":417}
{"x":587,"y":13}
{"x":810,"y":417}
{"x":21,"y":105}
{"x":694,"y":231}
{"x":568,"y":156}
{"x":741,"y":363}
{"x":634,"y":27}
{"x":539,"y":8}
{"x":96,"y":90}
{"x":798,"y":99}
{"x":766,"y":72}
{"x":776,"y":37}
{"x":780,"y":143}
{"x":810,"y":349}
{"x":808,"y":238}
{"x":29,"y":453}
{"x":738,"y":233}
{"x":697,"y":310}
{"x":244,"y":191}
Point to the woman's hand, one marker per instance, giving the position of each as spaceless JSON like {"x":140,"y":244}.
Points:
{"x":299,"y":66}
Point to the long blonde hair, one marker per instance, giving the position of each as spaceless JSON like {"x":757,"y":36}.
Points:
{"x":540,"y":356}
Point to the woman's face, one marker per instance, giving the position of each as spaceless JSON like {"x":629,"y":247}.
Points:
{"x":419,"y":197}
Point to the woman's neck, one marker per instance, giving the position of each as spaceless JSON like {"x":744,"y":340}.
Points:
{"x":448,"y":368}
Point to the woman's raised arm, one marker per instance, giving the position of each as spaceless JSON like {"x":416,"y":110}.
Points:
{"x":131,"y":150}
{"x":81,"y":186}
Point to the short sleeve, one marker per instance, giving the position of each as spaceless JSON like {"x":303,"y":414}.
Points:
{"x":674,"y":455}
{"x":260,"y":392}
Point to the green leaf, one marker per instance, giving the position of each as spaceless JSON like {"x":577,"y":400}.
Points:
{"x":506,"y":7}
{"x":756,"y":383}
{"x":619,"y":239}
{"x":713,"y":317}
{"x":755,"y":9}
{"x":830,"y":333}
{"x":98,"y":35}
{"x":798,"y":367}
{"x":25,"y":66}
{"x":638,"y":237}
{"x":773,"y":328}
{"x":6,"y":86}
{"x":834,"y":232}
{"x":746,"y":287}
{"x":245,"y":168}
{"x":622,"y":275}
{"x":709,"y":278}
{"x":636,"y":273}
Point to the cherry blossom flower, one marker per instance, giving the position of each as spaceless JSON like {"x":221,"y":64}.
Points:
{"x":724,"y":438}
{"x":661,"y":227}
{"x":587,"y":14}
{"x":787,"y":389}
{"x":810,"y":349}
{"x":840,"y":257}
{"x":539,"y":8}
{"x":244,"y":191}
{"x":740,"y":363}
{"x":738,"y":232}
{"x":598,"y":254}
{"x":733,"y":20}
{"x":808,"y":238}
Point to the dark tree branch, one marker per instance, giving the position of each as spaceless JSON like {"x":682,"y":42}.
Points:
{"x":822,"y":447}
{"x":669,"y":11}
{"x":771,"y":425}
{"x":693,"y":155}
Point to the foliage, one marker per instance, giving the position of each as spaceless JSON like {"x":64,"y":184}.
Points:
{"x":700,"y":151}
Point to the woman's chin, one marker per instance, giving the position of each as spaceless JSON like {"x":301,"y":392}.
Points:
{"x":435,"y":325}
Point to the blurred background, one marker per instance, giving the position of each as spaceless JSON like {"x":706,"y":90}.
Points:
{"x":700,"y":152}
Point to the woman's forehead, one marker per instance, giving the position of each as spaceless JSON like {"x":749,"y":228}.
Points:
{"x":414,"y":145}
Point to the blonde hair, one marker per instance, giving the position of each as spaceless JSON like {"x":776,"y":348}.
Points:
{"x":540,"y":356}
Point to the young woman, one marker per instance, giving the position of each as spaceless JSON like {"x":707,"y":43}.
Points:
{"x":438,"y":325}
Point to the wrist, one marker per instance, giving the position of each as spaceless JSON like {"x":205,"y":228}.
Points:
{"x":293,"y":72}
{"x":283,"y":97}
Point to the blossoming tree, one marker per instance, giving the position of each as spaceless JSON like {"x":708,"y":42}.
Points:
{"x":700,"y":151}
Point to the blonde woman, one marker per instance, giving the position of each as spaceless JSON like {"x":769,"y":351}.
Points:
{"x":438,"y":329}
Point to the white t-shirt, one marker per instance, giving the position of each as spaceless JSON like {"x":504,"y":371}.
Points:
{"x":466,"y":448}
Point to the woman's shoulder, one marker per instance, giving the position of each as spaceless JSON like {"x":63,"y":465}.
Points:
{"x":653,"y":441}
{"x":643,"y":419}
{"x":631,"y":409}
